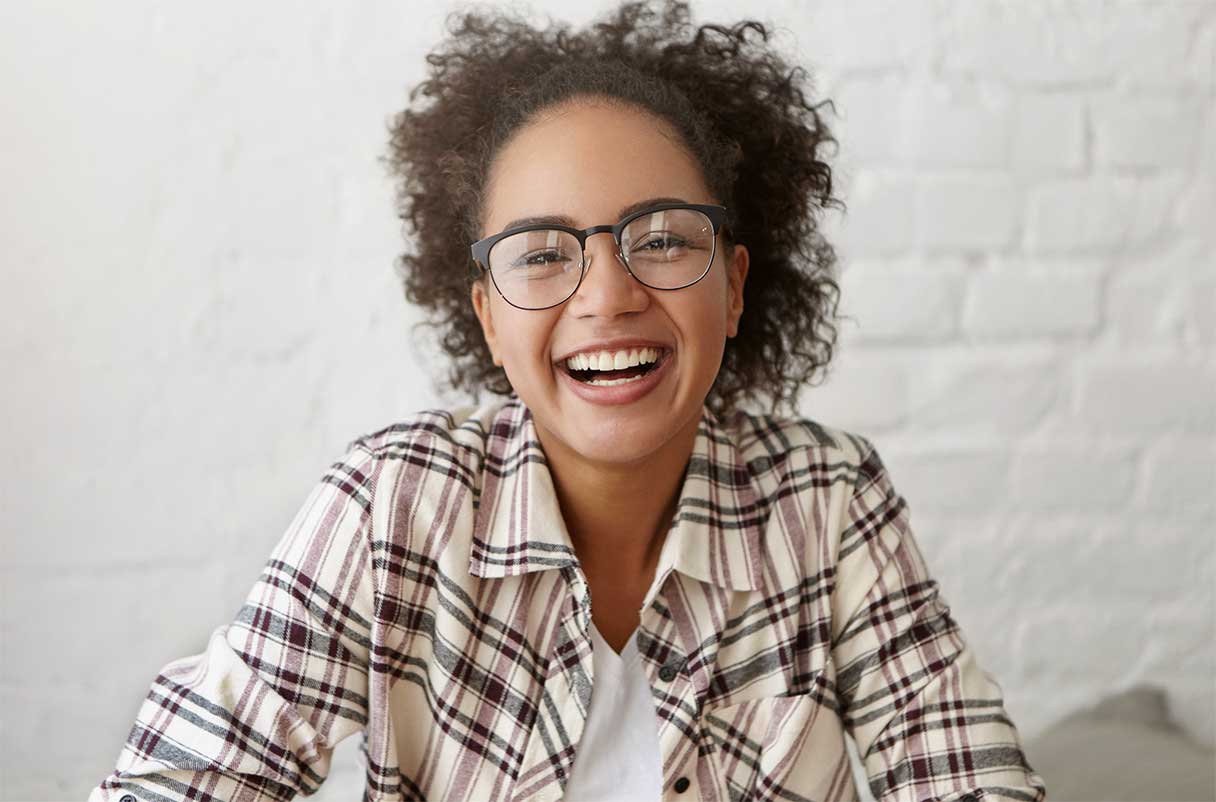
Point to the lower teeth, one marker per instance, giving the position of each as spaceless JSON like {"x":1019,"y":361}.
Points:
{"x":608,"y":382}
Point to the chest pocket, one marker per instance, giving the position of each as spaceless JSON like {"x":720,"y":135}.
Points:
{"x":762,"y":739}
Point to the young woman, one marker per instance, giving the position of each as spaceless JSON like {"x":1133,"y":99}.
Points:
{"x":609,"y":581}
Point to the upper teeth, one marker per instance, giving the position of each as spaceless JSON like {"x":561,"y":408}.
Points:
{"x":612,"y":360}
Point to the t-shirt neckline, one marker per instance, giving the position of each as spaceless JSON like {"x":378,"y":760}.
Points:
{"x":628,"y":654}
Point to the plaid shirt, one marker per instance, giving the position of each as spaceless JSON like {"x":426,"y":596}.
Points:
{"x":428,"y":596}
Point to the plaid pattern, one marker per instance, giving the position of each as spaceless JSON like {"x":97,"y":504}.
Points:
{"x":428,"y":596}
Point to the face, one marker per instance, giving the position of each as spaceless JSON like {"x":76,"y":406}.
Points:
{"x":589,"y":161}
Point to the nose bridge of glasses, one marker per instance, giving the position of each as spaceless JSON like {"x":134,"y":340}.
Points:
{"x":616,"y":248}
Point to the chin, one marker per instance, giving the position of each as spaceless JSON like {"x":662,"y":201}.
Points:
{"x":616,"y":441}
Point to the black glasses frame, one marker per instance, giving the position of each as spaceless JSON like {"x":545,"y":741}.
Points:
{"x":481,"y":249}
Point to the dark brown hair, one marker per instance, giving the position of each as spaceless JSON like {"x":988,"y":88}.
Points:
{"x":740,"y":110}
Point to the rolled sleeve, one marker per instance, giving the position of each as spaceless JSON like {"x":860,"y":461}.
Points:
{"x":256,"y":716}
{"x":928,"y":721}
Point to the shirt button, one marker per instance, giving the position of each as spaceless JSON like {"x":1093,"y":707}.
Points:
{"x":667,"y":673}
{"x":681,"y":785}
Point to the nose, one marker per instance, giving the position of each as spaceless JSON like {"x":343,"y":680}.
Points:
{"x":610,"y":290}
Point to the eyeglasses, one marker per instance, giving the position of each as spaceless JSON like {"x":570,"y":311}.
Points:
{"x":668,"y":246}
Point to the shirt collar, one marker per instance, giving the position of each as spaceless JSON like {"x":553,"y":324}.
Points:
{"x":518,"y":527}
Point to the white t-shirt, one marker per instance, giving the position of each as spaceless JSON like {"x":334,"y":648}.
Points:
{"x":618,"y":757}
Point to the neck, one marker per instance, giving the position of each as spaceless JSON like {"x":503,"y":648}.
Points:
{"x":618,"y":515}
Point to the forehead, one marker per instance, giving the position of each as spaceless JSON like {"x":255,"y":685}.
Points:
{"x":588,"y":160}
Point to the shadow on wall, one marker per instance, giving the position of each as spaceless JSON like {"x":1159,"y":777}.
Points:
{"x":1123,"y":749}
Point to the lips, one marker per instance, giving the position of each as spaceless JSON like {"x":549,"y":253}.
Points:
{"x":620,"y":394}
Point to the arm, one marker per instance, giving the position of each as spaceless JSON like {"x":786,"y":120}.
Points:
{"x":256,"y":715}
{"x":928,"y":721}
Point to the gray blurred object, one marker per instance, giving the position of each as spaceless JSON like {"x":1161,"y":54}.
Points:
{"x":1123,"y":749}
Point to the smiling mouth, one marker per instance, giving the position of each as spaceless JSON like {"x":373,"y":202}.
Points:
{"x":615,"y":376}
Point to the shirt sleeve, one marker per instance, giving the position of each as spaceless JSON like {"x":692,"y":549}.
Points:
{"x":929,"y":723}
{"x":255,"y":717}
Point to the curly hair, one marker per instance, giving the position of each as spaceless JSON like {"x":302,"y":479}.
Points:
{"x":741,"y":112}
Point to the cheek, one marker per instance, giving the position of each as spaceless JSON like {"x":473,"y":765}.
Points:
{"x":524,"y":341}
{"x":707,"y":315}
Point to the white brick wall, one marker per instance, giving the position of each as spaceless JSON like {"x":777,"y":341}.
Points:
{"x":198,"y":241}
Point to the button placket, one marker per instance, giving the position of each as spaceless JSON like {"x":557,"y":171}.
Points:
{"x":667,"y":679}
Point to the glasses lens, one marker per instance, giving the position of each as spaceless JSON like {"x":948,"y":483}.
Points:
{"x":536,"y":269}
{"x":670,"y":248}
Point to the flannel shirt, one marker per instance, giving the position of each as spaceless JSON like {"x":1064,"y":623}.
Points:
{"x":427,"y":595}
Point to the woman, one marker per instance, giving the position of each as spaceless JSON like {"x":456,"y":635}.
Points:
{"x":609,"y":582}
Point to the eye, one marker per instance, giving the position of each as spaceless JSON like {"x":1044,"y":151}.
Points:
{"x":662,"y":243}
{"x":546,"y":265}
{"x":540,"y":259}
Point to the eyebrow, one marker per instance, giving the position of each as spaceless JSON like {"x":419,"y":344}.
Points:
{"x":566,"y":220}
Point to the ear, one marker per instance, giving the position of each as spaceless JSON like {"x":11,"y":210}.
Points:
{"x":736,"y":274}
{"x":481,"y":306}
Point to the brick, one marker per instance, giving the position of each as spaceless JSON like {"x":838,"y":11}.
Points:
{"x":1136,"y":131}
{"x":952,"y":542}
{"x":881,"y":215}
{"x":887,"y":119}
{"x":1134,"y":397}
{"x":944,"y":480}
{"x":1165,"y":298}
{"x":1083,"y":478}
{"x":1201,"y":301}
{"x":863,"y":391}
{"x":862,"y":34}
{"x":955,"y":125}
{"x":1010,"y":569}
{"x":162,"y":612}
{"x":1203,"y":57}
{"x":967,"y":212}
{"x":1181,"y":480}
{"x":1092,"y":215}
{"x":1025,"y":44}
{"x":1197,"y":205}
{"x":1075,"y":639}
{"x":1188,"y":645}
{"x":1040,"y":44}
{"x":1157,"y":46}
{"x":980,"y":394}
{"x":1031,"y":302}
{"x":983,"y":561}
{"x":872,"y":109}
{"x":942,"y":549}
{"x":1144,"y":310}
{"x":898,"y":305}
{"x":1048,"y":132}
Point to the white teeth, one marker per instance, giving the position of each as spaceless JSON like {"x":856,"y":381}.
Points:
{"x":609,"y":382}
{"x":618,"y":360}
